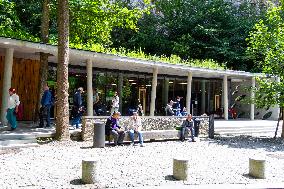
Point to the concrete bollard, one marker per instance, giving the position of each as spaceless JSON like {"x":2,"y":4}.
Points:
{"x":89,"y":171}
{"x":180,"y":169}
{"x":257,"y":167}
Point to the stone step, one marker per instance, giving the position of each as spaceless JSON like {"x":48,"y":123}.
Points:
{"x":13,"y":146}
{"x":18,"y":143}
{"x":245,"y":126}
{"x":11,"y":142}
{"x":16,"y":136}
{"x":246,"y":132}
{"x":244,"y":129}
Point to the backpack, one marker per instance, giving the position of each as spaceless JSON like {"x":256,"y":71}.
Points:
{"x":20,"y":113}
{"x":108,"y":126}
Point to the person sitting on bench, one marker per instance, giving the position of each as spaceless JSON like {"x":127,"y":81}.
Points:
{"x":135,"y":127}
{"x":114,"y":129}
{"x":187,"y":125}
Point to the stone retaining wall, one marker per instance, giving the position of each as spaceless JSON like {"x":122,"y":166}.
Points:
{"x":148,"y":124}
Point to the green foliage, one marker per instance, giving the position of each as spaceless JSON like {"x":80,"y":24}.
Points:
{"x":267,"y":40}
{"x":194,"y":29}
{"x":91,"y":23}
{"x":139,"y":54}
{"x":10,"y":25}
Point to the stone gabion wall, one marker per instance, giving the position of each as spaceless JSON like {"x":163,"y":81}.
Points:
{"x":148,"y":124}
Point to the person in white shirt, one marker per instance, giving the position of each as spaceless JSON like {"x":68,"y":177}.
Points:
{"x":135,"y":126}
{"x":13,"y":104}
{"x":115,"y":103}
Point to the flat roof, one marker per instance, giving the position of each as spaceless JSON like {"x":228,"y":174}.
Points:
{"x":30,"y":50}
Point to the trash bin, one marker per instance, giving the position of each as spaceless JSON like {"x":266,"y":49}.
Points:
{"x":99,"y":135}
{"x":196,"y":127}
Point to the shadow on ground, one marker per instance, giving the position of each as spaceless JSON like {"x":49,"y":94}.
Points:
{"x":76,"y":182}
{"x":249,"y":142}
{"x":170,"y":178}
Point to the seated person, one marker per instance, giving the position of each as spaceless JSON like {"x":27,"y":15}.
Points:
{"x":184,"y":112}
{"x":114,"y":129}
{"x":169,"y":109}
{"x":135,"y":126}
{"x":186,"y":126}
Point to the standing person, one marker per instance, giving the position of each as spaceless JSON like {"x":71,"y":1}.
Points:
{"x":187,"y":125}
{"x":115,"y":103}
{"x":46,"y":103}
{"x":77,"y":107}
{"x":13,"y":104}
{"x":169,"y":109}
{"x":135,"y":127}
{"x":96,"y":99}
{"x":114,"y":129}
{"x":177,"y":107}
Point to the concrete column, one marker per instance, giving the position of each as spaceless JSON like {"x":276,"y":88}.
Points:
{"x":225,"y":96}
{"x":188,"y":92}
{"x":153,"y":92}
{"x":120,"y":91}
{"x":166,"y":92}
{"x":203,"y":99}
{"x":252,"y":97}
{"x":208,"y":97}
{"x":8,"y":69}
{"x":90,"y":88}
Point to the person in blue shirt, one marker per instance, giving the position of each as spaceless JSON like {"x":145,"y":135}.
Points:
{"x":46,"y":103}
{"x":77,"y":107}
{"x":112,"y":128}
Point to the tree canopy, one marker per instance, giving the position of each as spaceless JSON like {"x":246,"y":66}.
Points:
{"x":189,"y":29}
{"x":266,"y":46}
{"x":196,"y":29}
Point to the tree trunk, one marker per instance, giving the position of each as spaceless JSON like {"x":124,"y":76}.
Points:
{"x":62,"y":114}
{"x":282,"y":133}
{"x":43,"y":70}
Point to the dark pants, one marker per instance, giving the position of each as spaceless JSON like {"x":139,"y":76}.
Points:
{"x":118,"y":136}
{"x":44,"y":114}
{"x":77,"y":114}
{"x":182,"y":132}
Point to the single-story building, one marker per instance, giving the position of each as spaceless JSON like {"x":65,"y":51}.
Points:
{"x":150,"y":83}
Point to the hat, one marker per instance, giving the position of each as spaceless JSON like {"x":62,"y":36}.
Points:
{"x":12,"y":90}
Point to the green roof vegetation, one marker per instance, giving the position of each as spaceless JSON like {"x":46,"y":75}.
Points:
{"x":139,"y":54}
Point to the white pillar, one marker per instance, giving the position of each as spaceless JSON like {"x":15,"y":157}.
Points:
{"x":153,"y":92}
{"x":120,"y":85}
{"x":166,"y":92}
{"x":90,"y":88}
{"x":188,"y":92}
{"x":208,"y":97}
{"x":203,"y":100}
{"x":8,"y":69}
{"x":252,"y":97}
{"x":225,"y":96}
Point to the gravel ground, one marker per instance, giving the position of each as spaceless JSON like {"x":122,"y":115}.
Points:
{"x":219,"y":161}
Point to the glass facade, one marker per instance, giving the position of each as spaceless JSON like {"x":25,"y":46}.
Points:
{"x":135,"y":89}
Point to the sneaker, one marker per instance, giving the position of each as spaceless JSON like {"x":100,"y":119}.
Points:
{"x":142,"y":145}
{"x":12,"y":129}
{"x":132,"y":144}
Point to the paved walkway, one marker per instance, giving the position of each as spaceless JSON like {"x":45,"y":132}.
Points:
{"x":219,"y":186}
{"x":239,"y":127}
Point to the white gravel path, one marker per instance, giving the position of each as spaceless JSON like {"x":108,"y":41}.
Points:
{"x":58,"y":165}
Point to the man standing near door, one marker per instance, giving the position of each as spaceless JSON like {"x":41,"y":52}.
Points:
{"x":46,"y":102}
